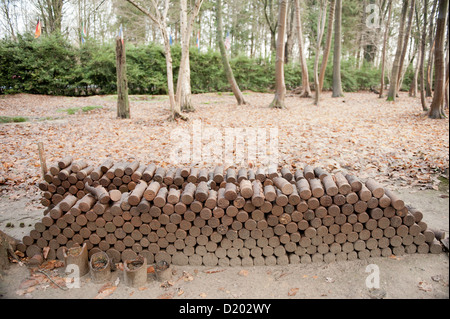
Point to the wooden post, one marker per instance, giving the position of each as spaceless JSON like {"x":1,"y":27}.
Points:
{"x":123,"y":107}
{"x":42,"y":159}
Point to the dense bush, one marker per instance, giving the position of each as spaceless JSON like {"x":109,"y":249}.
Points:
{"x":47,"y":66}
{"x":51,"y":65}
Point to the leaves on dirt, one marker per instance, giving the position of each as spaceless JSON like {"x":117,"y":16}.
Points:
{"x":425,"y":286}
{"x":293,"y":291}
{"x":394,"y":143}
{"x":168,"y":295}
{"x":107,"y":289}
{"x":243,"y":273}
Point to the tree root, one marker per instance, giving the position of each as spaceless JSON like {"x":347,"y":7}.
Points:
{"x":176,"y":115}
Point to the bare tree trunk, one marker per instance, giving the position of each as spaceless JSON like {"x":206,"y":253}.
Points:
{"x":436,"y":108}
{"x":413,"y":87}
{"x":273,"y":24}
{"x":327,"y":49}
{"x":306,"y":89}
{"x":396,"y":66}
{"x":405,"y":43}
{"x":123,"y":106}
{"x":428,"y":79}
{"x":320,"y":30}
{"x":7,"y":13}
{"x":226,"y":65}
{"x":185,"y":100}
{"x":184,"y":63}
{"x":383,"y":59}
{"x":422,"y":57}
{"x":159,"y":18}
{"x":51,"y":13}
{"x":280,"y":86}
{"x":430,"y":65}
{"x":337,"y":82}
{"x":290,"y":34}
{"x":174,"y":107}
{"x":446,"y":80}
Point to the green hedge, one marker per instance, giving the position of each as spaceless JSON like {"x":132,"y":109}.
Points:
{"x":51,"y":65}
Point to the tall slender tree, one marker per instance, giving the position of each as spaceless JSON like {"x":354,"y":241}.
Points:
{"x":123,"y":106}
{"x":383,"y":57}
{"x":280,"y":86}
{"x":306,"y":89}
{"x":392,"y":95}
{"x":185,"y":99}
{"x":183,"y":89}
{"x":437,"y":105}
{"x":422,"y":57}
{"x":223,"y":52}
{"x":320,"y":30}
{"x":405,"y":43}
{"x":159,"y":17}
{"x":327,"y":49}
{"x":272,"y":22}
{"x":5,"y":10}
{"x":51,"y":12}
{"x":432,"y":42}
{"x":337,"y":81}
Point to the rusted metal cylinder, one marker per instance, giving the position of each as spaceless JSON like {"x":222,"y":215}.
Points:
{"x":135,"y":272}
{"x":100,"y":267}
{"x":77,"y":256}
{"x":163,"y":271}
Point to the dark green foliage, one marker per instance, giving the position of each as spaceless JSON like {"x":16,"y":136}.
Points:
{"x":51,"y":65}
{"x":44,"y":66}
{"x":12,"y":119}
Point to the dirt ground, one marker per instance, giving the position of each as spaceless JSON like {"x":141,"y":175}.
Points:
{"x":407,"y":276}
{"x":393,"y":143}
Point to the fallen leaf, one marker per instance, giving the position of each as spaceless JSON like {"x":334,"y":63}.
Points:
{"x":29,"y":283}
{"x":180,"y":291}
{"x":168,"y":295}
{"x":150,"y":270}
{"x":25,"y":291}
{"x":243,"y":273}
{"x":52,"y":264}
{"x":105,"y":292}
{"x":213,"y":271}
{"x":166,"y":284}
{"x":187,"y":276}
{"x":425,"y":286}
{"x":293,"y":291}
{"x":107,"y":289}
{"x":203,"y":295}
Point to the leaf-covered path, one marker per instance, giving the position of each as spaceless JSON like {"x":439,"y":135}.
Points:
{"x":394,"y":143}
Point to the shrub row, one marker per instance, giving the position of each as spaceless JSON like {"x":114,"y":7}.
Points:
{"x":51,"y":65}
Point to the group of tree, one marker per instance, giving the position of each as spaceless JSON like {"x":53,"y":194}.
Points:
{"x":404,"y":40}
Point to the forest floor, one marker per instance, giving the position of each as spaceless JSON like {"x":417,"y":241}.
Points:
{"x":395,"y":143}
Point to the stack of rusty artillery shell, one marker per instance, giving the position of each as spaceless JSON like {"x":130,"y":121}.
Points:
{"x":222,"y":216}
